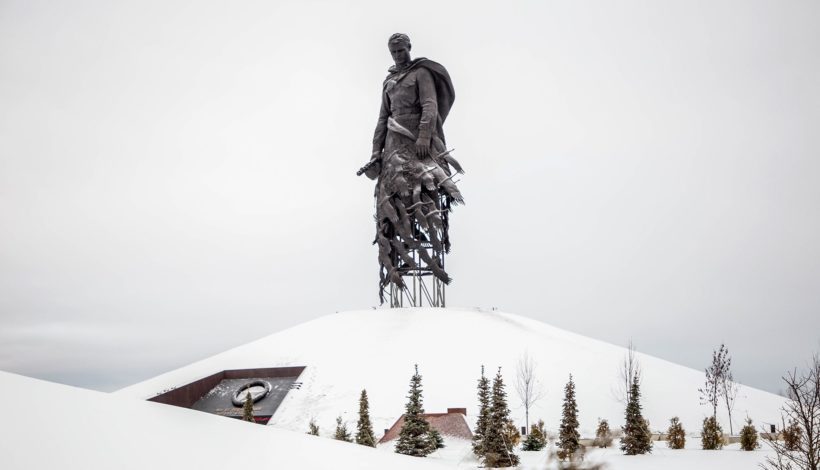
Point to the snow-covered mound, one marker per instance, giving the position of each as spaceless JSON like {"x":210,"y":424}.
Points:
{"x":51,"y":426}
{"x":376,"y":350}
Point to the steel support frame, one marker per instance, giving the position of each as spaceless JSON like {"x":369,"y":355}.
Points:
{"x":421,"y":287}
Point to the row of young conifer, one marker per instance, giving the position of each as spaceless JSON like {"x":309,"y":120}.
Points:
{"x":496,"y":436}
{"x":364,"y":428}
{"x":416,"y":437}
{"x":636,"y":436}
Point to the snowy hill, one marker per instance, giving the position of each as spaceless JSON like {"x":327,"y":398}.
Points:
{"x":56,"y":426}
{"x":376,"y":350}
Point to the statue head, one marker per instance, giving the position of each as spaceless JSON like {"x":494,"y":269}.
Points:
{"x":399,"y":45}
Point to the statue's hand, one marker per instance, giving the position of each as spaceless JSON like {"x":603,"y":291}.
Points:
{"x":422,"y":147}
{"x":375,"y":165}
{"x":374,"y":170}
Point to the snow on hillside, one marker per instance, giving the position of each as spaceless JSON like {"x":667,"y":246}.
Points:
{"x":376,"y":350}
{"x":57,"y":427}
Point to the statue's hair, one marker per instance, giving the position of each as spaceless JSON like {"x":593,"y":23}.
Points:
{"x":399,"y":38}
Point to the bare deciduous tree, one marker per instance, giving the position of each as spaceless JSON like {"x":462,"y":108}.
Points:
{"x":729,"y":389}
{"x":715,"y":375}
{"x":628,"y":371}
{"x":803,"y":407}
{"x":527,"y":386}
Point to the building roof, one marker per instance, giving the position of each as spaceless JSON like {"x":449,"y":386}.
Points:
{"x":453,"y":424}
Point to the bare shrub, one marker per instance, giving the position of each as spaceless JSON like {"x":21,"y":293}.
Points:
{"x":800,"y":448}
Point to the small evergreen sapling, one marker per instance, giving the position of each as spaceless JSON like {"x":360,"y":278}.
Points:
{"x":413,"y":437}
{"x":677,"y":435}
{"x":711,"y":436}
{"x":313,"y":428}
{"x":247,"y":408}
{"x":568,"y":432}
{"x":748,"y":436}
{"x":512,"y":436}
{"x":636,"y":437}
{"x":497,"y":451}
{"x":483,"y":415}
{"x":364,"y":429}
{"x":536,"y":439}
{"x":791,"y":436}
{"x":603,"y":435}
{"x":342,"y":434}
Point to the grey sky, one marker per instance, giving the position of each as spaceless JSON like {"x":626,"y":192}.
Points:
{"x":169,"y":169}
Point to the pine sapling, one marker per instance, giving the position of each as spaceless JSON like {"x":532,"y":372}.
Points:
{"x":483,"y":420}
{"x":603,"y":435}
{"x":313,"y":428}
{"x":748,"y":436}
{"x":636,"y":437}
{"x":247,"y":408}
{"x":342,"y":434}
{"x":413,"y":437}
{"x":364,"y":429}
{"x":677,"y":435}
{"x":536,"y":439}
{"x":497,"y":450}
{"x":711,"y":436}
{"x":568,"y":435}
{"x":791,"y":435}
{"x":512,"y":436}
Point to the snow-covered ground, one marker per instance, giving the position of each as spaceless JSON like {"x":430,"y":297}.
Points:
{"x":47,"y":426}
{"x":458,"y":453}
{"x":50,"y":426}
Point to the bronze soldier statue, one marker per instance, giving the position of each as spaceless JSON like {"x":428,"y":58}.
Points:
{"x":415,"y":189}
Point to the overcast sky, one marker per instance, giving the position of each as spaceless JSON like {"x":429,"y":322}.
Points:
{"x":178,"y":178}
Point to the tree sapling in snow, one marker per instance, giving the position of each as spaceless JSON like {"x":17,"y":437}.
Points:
{"x":483,"y":420}
{"x":413,"y":437}
{"x":247,"y":408}
{"x":711,"y":436}
{"x":748,"y":436}
{"x":364,"y":429}
{"x":568,"y":432}
{"x":497,"y":451}
{"x":342,"y":434}
{"x":636,"y":437}
{"x":677,"y":435}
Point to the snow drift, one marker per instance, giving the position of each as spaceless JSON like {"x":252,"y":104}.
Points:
{"x":51,"y":426}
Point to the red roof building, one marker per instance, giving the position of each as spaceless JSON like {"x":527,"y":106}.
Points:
{"x":453,"y":423}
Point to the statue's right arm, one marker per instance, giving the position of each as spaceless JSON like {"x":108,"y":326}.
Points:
{"x":379,"y":138}
{"x":380,"y":135}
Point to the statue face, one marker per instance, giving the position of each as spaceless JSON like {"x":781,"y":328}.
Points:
{"x":400,"y":52}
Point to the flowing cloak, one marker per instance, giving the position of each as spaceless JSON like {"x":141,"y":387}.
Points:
{"x":413,"y":194}
{"x":445,"y":94}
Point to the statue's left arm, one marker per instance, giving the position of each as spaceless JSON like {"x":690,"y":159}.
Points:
{"x":429,"y":110}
